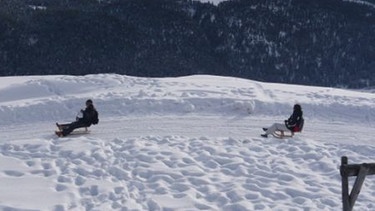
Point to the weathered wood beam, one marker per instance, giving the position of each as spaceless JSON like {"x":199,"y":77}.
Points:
{"x":358,"y":185}
{"x":350,"y":170}
{"x":345,"y":186}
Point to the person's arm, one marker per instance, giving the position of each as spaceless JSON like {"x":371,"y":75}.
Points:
{"x":292,"y":120}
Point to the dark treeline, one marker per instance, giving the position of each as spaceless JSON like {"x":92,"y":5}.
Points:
{"x":317,"y":42}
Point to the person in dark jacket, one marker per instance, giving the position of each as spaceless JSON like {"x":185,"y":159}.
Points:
{"x":88,"y":116}
{"x":294,"y":123}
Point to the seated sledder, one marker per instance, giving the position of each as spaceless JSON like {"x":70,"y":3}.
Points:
{"x":292,"y":125}
{"x":89,"y":116}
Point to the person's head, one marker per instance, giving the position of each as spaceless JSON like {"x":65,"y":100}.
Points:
{"x":89,"y":102}
{"x":297,"y":107}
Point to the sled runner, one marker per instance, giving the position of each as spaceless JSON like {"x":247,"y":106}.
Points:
{"x":283,"y":134}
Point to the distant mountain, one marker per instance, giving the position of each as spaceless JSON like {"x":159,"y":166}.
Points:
{"x":318,"y":42}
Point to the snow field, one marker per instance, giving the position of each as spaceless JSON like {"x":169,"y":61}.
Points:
{"x":189,"y":143}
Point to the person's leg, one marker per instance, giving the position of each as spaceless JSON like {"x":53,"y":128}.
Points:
{"x":70,"y":127}
{"x":275,"y":127}
{"x":62,"y":126}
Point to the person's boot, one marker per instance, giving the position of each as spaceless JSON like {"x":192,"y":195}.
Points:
{"x":264,"y":135}
{"x":265,"y":129}
{"x":58,"y":126}
{"x":59,"y":133}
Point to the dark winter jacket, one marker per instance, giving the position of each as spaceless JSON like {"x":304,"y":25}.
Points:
{"x":295,"y":121}
{"x":90,"y":116}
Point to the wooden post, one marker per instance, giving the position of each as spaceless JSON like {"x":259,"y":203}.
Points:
{"x":344,"y":184}
{"x":358,"y":170}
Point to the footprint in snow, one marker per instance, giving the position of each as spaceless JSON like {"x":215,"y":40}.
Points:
{"x":13,"y":173}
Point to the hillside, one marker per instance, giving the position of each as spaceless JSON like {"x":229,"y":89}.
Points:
{"x":325,"y":43}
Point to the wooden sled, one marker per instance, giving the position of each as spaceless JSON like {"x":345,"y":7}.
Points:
{"x":289,"y":134}
{"x":77,"y":131}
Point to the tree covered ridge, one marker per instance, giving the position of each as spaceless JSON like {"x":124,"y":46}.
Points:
{"x":319,"y":42}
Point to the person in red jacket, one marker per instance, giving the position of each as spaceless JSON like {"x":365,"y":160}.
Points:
{"x":293,"y":124}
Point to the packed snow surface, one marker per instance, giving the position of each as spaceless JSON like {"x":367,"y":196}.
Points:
{"x":188,"y":143}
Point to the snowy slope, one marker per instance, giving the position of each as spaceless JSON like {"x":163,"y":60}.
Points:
{"x":189,"y":143}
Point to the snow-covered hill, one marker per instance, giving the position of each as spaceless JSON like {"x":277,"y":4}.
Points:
{"x":189,"y":143}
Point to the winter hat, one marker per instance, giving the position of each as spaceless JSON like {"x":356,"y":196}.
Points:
{"x":89,"y":102}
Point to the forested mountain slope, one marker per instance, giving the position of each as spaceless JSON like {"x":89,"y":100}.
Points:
{"x":319,"y":42}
